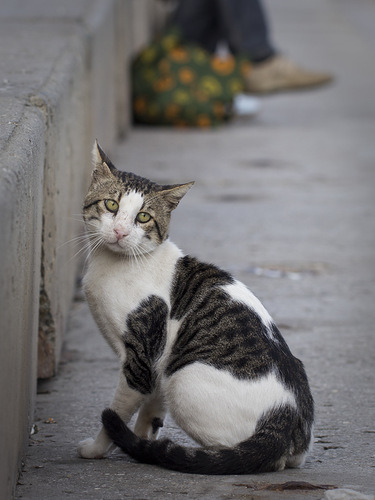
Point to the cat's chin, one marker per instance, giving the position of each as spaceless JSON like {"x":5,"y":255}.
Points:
{"x":128,"y":252}
{"x":118,"y":249}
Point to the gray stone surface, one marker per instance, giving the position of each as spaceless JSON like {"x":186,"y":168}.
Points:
{"x":21,"y":186}
{"x":64,"y":73}
{"x":286,"y":202}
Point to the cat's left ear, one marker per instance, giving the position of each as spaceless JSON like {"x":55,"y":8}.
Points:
{"x":173,"y":194}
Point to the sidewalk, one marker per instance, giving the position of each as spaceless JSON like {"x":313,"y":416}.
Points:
{"x":286,"y":202}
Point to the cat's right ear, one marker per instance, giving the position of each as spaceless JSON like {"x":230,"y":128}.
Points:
{"x":101,"y":163}
{"x":98,"y":155}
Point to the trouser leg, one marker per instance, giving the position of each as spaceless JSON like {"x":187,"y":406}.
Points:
{"x":198,"y":21}
{"x":247,"y":28}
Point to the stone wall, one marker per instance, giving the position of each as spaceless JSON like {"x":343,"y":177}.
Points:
{"x":64,"y":70}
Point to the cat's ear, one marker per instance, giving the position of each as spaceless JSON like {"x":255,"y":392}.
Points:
{"x":98,"y":155}
{"x":101,"y":163}
{"x":173,"y":194}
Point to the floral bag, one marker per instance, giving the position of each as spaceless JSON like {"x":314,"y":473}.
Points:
{"x":180,"y":84}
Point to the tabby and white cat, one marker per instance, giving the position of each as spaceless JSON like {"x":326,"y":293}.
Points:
{"x":191,"y":339}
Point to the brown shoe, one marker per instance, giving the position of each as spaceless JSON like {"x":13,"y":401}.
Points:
{"x":280,"y":74}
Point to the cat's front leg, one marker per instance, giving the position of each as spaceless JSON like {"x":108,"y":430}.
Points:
{"x":150,"y":417}
{"x":96,"y":448}
{"x":125,"y":402}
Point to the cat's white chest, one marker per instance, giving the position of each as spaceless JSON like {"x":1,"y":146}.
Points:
{"x":115,"y":287}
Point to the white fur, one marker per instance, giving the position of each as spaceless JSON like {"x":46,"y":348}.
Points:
{"x":153,"y":407}
{"x":215,"y":408}
{"x":126,"y":402}
{"x":115,"y":286}
{"x":172,"y":331}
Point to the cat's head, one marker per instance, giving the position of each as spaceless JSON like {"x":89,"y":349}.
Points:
{"x":126,"y":213}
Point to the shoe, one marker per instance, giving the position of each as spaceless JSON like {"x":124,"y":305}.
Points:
{"x":280,"y":73}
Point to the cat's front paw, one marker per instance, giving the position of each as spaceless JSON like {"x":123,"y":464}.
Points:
{"x":88,"y":448}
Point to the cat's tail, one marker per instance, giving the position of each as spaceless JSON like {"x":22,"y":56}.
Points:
{"x":266,"y":451}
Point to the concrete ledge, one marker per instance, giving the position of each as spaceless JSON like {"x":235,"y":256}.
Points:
{"x":21,"y":189}
{"x":64,"y":81}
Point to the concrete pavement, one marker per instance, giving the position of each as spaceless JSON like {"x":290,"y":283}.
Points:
{"x":286,"y":202}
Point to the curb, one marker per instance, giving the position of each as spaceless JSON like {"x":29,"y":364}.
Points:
{"x":64,"y":68}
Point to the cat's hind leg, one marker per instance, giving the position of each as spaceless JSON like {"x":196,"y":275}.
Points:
{"x":296,"y":460}
{"x":125,"y":402}
{"x":150,"y":417}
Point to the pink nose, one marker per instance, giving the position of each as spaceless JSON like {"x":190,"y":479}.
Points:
{"x":120,"y":233}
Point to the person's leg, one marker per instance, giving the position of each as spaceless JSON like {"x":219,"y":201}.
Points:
{"x":247,"y":32}
{"x":246,"y":28}
{"x":243,"y":24}
{"x":198,"y":21}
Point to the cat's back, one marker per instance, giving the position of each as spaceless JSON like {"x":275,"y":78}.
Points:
{"x":223,"y":323}
{"x":196,"y":282}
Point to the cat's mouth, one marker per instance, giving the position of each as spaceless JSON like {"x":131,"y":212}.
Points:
{"x":116,"y":246}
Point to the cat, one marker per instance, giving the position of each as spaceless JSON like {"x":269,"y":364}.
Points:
{"x":191,"y":340}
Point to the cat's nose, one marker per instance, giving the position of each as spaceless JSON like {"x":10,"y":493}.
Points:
{"x":120,"y":234}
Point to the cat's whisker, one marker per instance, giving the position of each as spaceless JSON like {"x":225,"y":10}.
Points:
{"x":143,"y":254}
{"x":85,"y":248}
{"x":139,"y":256}
{"x":75,"y":241}
{"x":146,"y":253}
{"x":135,"y":258}
{"x":95,"y":242}
{"x":91,"y":242}
{"x":74,"y":218}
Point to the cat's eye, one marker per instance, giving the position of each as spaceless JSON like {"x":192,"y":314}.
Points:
{"x":111,"y":205}
{"x":143,"y":217}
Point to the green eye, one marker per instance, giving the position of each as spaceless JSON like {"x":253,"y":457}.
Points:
{"x":143,"y":217}
{"x":111,"y":205}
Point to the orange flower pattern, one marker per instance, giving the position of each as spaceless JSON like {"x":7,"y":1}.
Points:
{"x":186,"y":75}
{"x":223,"y":65}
